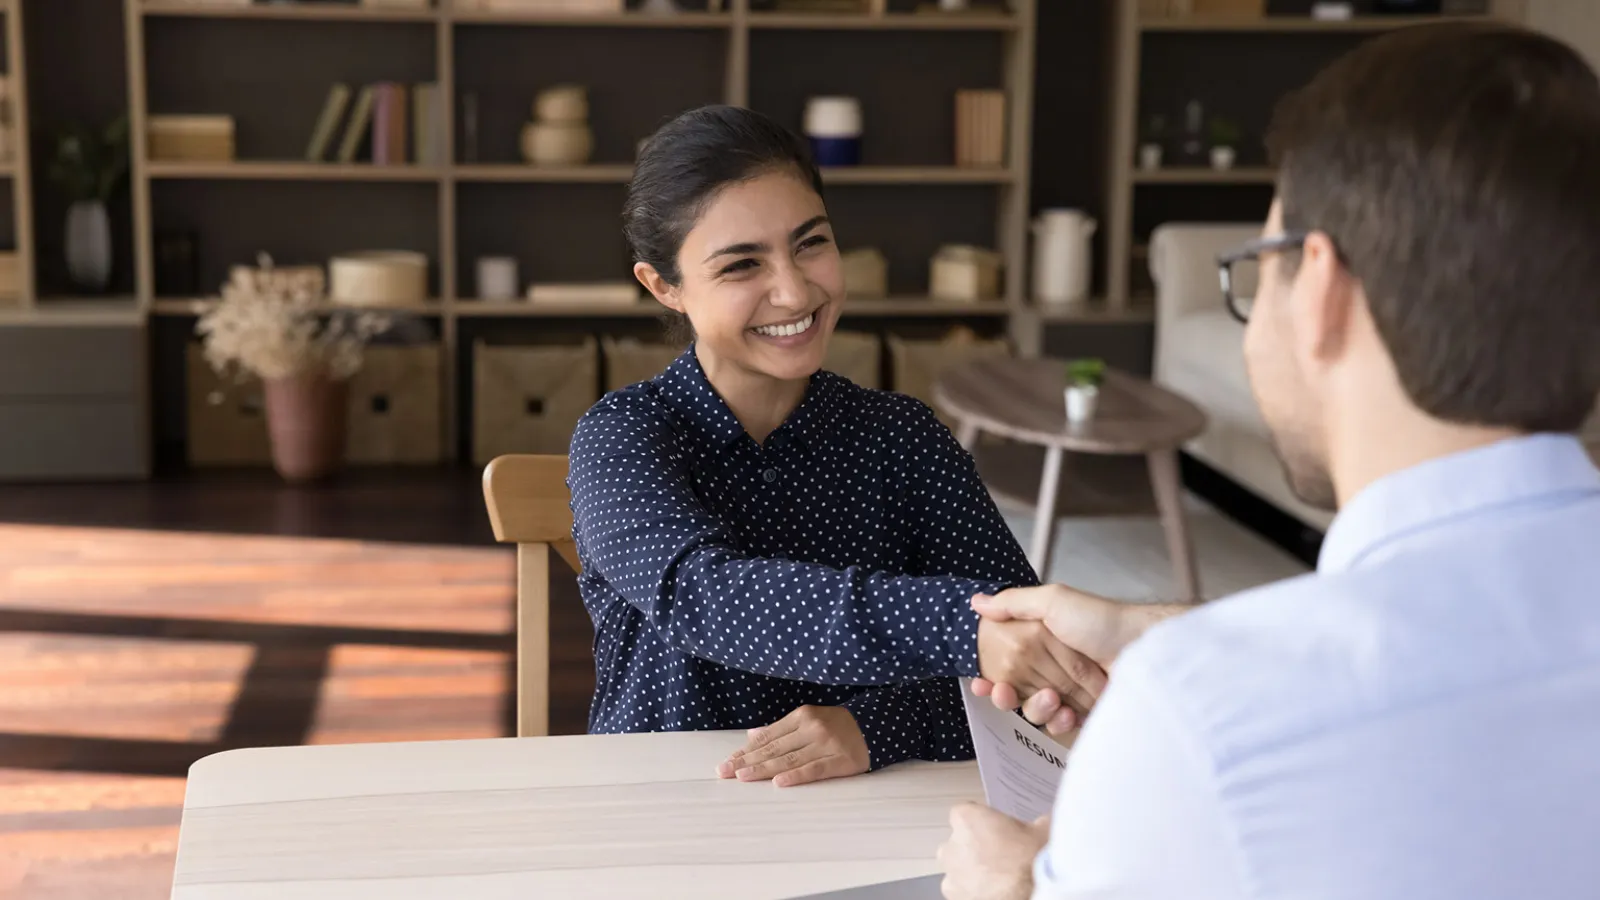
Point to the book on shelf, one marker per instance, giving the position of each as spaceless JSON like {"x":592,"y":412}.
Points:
{"x":389,"y":126}
{"x":328,"y":122}
{"x":427,"y":121}
{"x":360,"y":120}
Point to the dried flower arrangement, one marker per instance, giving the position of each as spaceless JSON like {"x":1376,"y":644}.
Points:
{"x":271,"y":323}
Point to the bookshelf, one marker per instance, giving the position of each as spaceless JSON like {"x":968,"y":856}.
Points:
{"x":1129,"y":186}
{"x":17,"y":172}
{"x":561,"y":222}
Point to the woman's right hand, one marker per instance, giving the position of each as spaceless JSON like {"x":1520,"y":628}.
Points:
{"x":1094,"y":626}
{"x":1026,"y":657}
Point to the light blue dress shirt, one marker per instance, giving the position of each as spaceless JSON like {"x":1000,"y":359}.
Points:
{"x":1418,"y":719}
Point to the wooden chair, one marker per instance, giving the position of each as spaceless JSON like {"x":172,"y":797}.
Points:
{"x":530,"y":506}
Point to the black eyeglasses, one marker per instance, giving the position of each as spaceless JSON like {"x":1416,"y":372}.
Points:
{"x":1240,"y":270}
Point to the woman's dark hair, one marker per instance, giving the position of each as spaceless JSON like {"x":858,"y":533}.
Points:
{"x":687,"y":161}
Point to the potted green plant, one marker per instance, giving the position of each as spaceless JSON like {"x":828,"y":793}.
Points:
{"x":1084,"y":377}
{"x":89,"y":166}
{"x":1153,"y":142}
{"x":275,"y":326}
{"x":1225,"y":136}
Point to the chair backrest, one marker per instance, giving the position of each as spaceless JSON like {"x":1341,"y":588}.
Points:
{"x":530,"y":506}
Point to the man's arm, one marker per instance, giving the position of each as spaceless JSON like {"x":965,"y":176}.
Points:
{"x":1138,"y":814}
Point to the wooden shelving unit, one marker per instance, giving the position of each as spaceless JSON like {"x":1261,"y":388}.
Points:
{"x":1123,"y":246}
{"x":19,"y":171}
{"x":495,"y":53}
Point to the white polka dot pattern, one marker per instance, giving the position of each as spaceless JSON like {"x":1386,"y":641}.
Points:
{"x":731,"y":582}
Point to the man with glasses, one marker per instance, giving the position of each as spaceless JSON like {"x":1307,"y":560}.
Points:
{"x":1419,"y":718}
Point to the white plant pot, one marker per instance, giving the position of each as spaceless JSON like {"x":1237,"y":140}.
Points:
{"x":89,"y":245}
{"x":1150,"y":156}
{"x":1081,"y":401}
{"x":1221,"y":157}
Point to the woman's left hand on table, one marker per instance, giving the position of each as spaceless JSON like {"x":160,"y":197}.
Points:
{"x":812,"y":743}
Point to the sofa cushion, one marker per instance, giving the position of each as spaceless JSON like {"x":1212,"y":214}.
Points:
{"x":1203,"y":359}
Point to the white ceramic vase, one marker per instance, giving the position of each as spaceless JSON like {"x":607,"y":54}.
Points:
{"x":1221,"y":157}
{"x":1081,"y":401}
{"x":89,"y":245}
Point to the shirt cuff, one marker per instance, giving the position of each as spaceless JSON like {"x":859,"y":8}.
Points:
{"x":961,"y":629}
{"x":893,"y":733}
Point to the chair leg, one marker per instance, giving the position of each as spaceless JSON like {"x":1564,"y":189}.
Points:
{"x":533,"y":640}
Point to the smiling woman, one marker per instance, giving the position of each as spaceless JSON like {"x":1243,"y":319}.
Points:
{"x":765,"y":545}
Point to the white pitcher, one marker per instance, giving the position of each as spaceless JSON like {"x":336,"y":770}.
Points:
{"x":1062,"y":260}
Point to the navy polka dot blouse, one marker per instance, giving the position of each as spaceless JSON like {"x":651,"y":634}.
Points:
{"x":731,"y":583}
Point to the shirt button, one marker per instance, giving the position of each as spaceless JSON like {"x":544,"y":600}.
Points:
{"x":769,"y":476}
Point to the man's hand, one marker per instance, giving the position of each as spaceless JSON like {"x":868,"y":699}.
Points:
{"x":1094,"y":626}
{"x":810,"y":744}
{"x":1026,"y":657}
{"x":989,"y":856}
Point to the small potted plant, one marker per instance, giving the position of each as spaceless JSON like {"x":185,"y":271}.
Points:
{"x":1083,"y":388}
{"x":1153,"y":142}
{"x":1224,"y":143}
{"x":275,"y":326}
{"x":89,"y":167}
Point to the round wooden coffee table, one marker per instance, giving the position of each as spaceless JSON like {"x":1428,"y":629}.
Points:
{"x":1021,"y":399}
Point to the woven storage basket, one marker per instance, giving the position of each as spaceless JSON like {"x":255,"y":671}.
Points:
{"x":227,"y":421}
{"x":630,"y":361}
{"x":528,"y":399}
{"x":394,"y":412}
{"x":918,"y":363}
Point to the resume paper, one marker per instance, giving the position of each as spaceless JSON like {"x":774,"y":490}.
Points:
{"x":1021,"y":766}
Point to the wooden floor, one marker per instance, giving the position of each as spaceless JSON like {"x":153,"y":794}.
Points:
{"x":145,"y":626}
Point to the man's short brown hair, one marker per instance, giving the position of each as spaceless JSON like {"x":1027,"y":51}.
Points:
{"x":1457,"y":169}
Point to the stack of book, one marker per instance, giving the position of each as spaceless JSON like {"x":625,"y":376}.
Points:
{"x":389,"y":124}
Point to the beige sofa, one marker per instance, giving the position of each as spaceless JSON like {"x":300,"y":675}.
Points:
{"x":1199,"y":354}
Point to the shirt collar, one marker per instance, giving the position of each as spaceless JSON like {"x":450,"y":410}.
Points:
{"x":1505,"y":472}
{"x":686,"y":389}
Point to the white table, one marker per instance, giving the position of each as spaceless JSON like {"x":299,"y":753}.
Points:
{"x":614,"y":816}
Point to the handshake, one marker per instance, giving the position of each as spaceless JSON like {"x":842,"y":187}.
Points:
{"x":1048,"y":649}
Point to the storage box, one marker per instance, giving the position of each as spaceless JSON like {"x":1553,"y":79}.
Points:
{"x":857,"y":356}
{"x":378,"y":278}
{"x":966,"y":273}
{"x":918,"y":363}
{"x":395,"y":414}
{"x":227,"y":421}
{"x":191,"y":138}
{"x":866,"y":272}
{"x":980,"y":128}
{"x":630,"y":361}
{"x":528,"y":399}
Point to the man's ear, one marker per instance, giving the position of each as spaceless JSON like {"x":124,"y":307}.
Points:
{"x":657,"y":286}
{"x":1322,"y":303}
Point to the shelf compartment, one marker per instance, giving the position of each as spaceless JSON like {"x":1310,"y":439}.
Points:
{"x":890,"y":22}
{"x":269,"y":170}
{"x":916,"y":175}
{"x":201,"y":305}
{"x":591,"y":20}
{"x":602,"y":173}
{"x":1199,"y":175}
{"x":326,"y":12}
